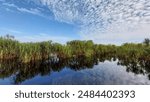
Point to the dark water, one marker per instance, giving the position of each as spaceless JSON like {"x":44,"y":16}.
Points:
{"x":77,"y":71}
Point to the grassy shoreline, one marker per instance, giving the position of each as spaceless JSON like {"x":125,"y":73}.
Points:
{"x":30,"y":52}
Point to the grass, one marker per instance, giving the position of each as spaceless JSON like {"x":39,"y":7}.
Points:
{"x":30,"y":52}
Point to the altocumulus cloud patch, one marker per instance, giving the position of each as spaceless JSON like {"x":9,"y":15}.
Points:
{"x":97,"y":19}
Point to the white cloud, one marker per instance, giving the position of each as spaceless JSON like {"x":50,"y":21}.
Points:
{"x":11,"y":31}
{"x":10,"y":5}
{"x":109,"y":20}
{"x":135,"y":36}
{"x":118,"y":20}
{"x":32,"y":11}
{"x":35,"y":11}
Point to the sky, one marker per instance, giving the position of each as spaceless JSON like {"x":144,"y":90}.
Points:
{"x":103,"y":21}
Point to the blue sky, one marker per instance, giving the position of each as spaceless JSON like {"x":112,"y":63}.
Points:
{"x":30,"y":26}
{"x":103,"y":21}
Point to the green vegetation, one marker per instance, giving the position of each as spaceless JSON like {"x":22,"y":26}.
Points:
{"x":147,"y":42}
{"x":26,"y":60}
{"x":31,"y":52}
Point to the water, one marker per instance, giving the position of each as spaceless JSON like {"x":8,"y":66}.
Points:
{"x":82,"y":71}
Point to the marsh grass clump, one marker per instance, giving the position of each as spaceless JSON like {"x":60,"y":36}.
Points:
{"x":9,"y":47}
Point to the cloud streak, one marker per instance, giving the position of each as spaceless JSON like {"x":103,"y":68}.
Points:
{"x":43,"y":37}
{"x":32,"y":9}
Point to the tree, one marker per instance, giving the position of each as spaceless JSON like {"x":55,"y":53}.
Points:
{"x":7,"y":36}
{"x":147,"y":41}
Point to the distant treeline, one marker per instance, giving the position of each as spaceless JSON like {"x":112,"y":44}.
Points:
{"x":30,"y":52}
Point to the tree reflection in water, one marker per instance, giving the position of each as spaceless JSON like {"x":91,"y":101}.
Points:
{"x":23,"y":71}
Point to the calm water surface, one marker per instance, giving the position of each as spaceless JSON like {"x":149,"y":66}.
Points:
{"x":80,"y":72}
